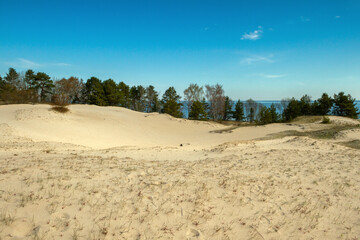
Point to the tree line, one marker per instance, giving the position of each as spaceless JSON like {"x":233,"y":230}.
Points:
{"x":201,"y":103}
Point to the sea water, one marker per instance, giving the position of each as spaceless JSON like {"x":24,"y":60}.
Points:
{"x":266,"y":103}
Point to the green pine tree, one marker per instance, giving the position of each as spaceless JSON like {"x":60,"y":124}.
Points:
{"x":94,"y":92}
{"x":344,"y":105}
{"x":198,"y":111}
{"x":44,"y":85}
{"x":238,"y":114}
{"x":171,"y":103}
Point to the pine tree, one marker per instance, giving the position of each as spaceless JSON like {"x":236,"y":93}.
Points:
{"x":273,"y":113}
{"x":344,"y":105}
{"x":251,"y":115}
{"x":124,"y":93}
{"x":171,"y":103}
{"x":228,"y":108}
{"x":198,"y":111}
{"x":265,"y":115}
{"x":112,"y":95}
{"x":238,"y":114}
{"x":323,"y":105}
{"x":43,"y":84}
{"x":30,"y":79}
{"x":305,"y":105}
{"x":12,"y":77}
{"x":152,"y":99}
{"x":292,"y":110}
{"x":94,"y":92}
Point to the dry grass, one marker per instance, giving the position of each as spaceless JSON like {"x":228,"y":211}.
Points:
{"x":352,"y":144}
{"x":328,"y":133}
{"x":306,"y":119}
{"x":60,"y":109}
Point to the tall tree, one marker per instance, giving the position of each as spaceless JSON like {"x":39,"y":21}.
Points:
{"x":12,"y":77}
{"x":124,"y":93}
{"x":227,"y":108}
{"x":44,"y":85}
{"x":274,"y":115}
{"x":344,"y":105}
{"x":293,"y":110}
{"x":2,"y":82}
{"x":265,"y":115}
{"x":252,"y":109}
{"x":305,"y":105}
{"x":95,"y":92}
{"x":193,"y":93}
{"x":68,"y":90}
{"x":238,"y":114}
{"x":137,"y":96}
{"x":198,"y":111}
{"x":171,"y":103}
{"x":216,"y":98}
{"x":152,"y":99}
{"x":112,"y":94}
{"x":30,"y":79}
{"x":322,"y":106}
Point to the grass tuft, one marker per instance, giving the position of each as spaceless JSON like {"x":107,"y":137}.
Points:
{"x":60,"y":109}
{"x":352,"y":144}
{"x":328,"y":133}
{"x":325,"y":120}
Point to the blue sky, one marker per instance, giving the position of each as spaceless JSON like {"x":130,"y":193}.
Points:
{"x":265,"y":50}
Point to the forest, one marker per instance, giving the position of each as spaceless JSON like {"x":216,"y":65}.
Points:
{"x":207,"y":102}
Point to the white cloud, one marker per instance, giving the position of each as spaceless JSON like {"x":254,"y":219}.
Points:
{"x":25,"y":63}
{"x":61,"y":64}
{"x":253,"y":59}
{"x":255,"y":35}
{"x":337,"y":16}
{"x":273,"y":75}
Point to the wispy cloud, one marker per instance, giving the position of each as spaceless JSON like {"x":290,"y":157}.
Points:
{"x":305,"y":19}
{"x":61,"y":64}
{"x":273,"y":75}
{"x":337,"y":16}
{"x":255,"y":35}
{"x":25,"y":63}
{"x":254,"y":59}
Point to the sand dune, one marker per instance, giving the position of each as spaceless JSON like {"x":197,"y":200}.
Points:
{"x":104,"y":127}
{"x":111,"y":173}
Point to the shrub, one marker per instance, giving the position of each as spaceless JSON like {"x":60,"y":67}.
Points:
{"x":60,"y":103}
{"x":60,"y":109}
{"x":325,"y":120}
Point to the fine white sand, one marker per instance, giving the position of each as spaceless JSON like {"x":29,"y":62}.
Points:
{"x":112,"y":173}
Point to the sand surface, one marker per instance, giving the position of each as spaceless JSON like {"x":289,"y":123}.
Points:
{"x":111,"y":173}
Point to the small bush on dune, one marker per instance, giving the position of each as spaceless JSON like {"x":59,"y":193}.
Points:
{"x":60,"y":109}
{"x":60,"y":103}
{"x":325,"y":120}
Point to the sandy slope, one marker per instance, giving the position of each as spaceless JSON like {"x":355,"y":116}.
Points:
{"x":111,"y":173}
{"x":103,"y":127}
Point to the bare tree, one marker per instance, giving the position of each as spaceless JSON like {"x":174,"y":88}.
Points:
{"x":215,"y":96}
{"x":283,"y":104}
{"x":252,"y":108}
{"x":67,"y":90}
{"x":193,"y":93}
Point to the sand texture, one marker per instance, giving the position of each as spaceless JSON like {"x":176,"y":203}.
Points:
{"x":111,"y":173}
